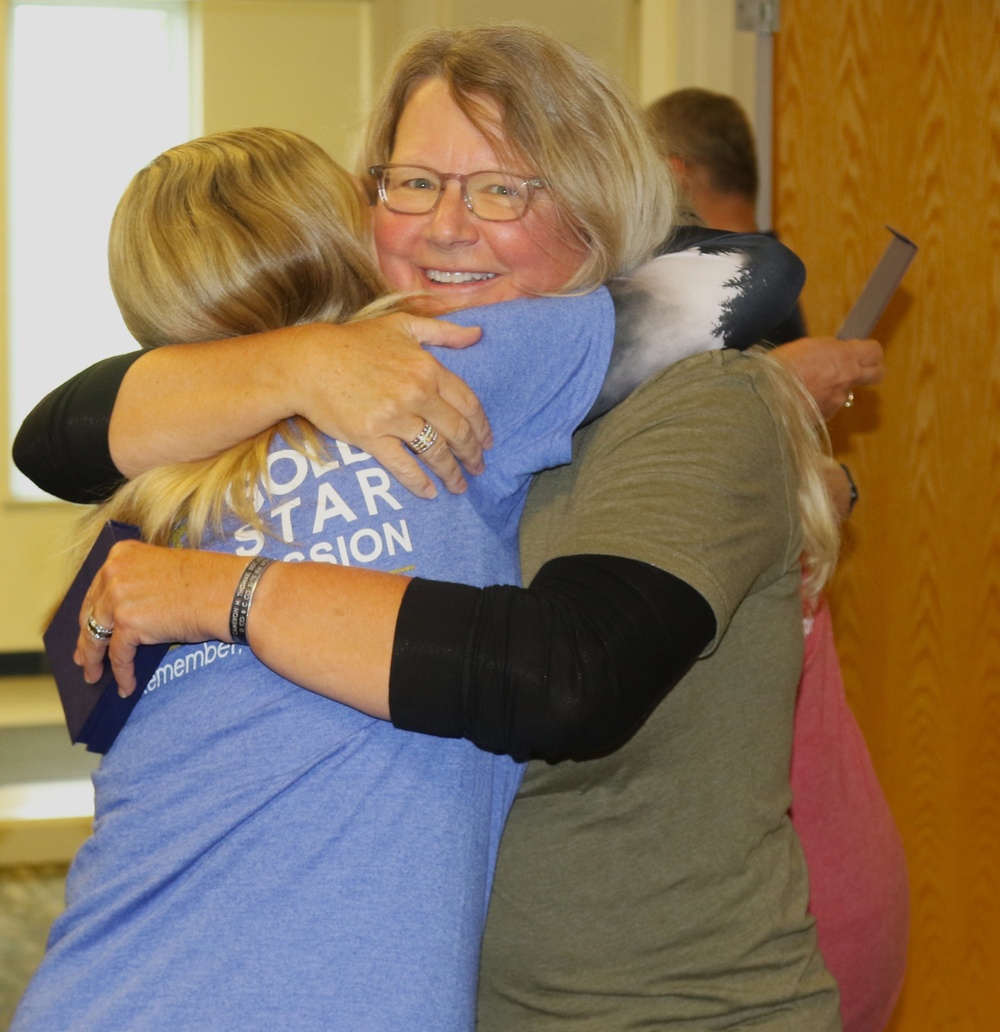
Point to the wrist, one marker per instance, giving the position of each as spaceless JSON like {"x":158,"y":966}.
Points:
{"x":278,"y":364}
{"x":243,"y":597}
{"x":208,"y":588}
{"x":302,"y":369}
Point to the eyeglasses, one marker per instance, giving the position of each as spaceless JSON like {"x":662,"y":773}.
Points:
{"x":493,"y":196}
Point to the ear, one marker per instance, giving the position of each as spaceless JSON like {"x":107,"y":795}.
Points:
{"x":680,"y":169}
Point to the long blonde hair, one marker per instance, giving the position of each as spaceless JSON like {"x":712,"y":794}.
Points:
{"x":562,"y":118}
{"x":809,"y":445}
{"x":234,"y":233}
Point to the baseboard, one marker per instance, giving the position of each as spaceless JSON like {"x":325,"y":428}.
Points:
{"x":23,"y":664}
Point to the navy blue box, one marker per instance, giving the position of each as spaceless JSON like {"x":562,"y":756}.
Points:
{"x":94,"y":712}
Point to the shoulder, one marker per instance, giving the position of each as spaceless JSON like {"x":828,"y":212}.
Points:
{"x":730,"y":393}
{"x":534,"y":311}
{"x":759,"y":278}
{"x":691,"y":474}
{"x":531,"y":336}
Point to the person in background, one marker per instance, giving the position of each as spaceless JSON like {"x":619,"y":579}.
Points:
{"x":709,"y":143}
{"x":860,"y":894}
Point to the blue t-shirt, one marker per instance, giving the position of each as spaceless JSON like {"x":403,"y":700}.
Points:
{"x":264,"y":858}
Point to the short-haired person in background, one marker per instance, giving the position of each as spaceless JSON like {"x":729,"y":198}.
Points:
{"x":658,"y":882}
{"x":860,"y":894}
{"x":709,"y":142}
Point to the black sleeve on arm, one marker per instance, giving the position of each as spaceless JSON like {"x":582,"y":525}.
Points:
{"x":62,"y":445}
{"x":570,"y":666}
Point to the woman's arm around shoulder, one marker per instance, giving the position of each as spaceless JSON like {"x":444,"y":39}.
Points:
{"x":369,"y":383}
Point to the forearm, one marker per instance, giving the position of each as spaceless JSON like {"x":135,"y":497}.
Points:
{"x":369,"y":383}
{"x":327,"y":628}
{"x":124,"y":415}
{"x":571,"y":665}
{"x":190,"y":401}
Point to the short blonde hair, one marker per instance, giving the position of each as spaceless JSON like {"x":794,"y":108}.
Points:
{"x":562,"y":118}
{"x":233,"y":233}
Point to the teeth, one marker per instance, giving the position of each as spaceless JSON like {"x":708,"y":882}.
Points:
{"x":437,"y":276}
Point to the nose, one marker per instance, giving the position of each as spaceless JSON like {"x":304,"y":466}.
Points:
{"x":451,"y":221}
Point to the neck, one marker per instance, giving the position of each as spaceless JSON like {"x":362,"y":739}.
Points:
{"x":729,"y":211}
{"x":726,"y":211}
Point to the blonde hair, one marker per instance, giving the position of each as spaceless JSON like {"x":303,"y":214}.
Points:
{"x":232,"y":234}
{"x":809,"y":444}
{"x":562,"y":118}
{"x":236,"y":233}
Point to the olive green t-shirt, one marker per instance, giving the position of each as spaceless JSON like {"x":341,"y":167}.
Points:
{"x":662,"y":885}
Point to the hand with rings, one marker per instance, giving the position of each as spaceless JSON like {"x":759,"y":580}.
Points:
{"x":831,"y":368}
{"x":98,"y":631}
{"x":424,"y":440}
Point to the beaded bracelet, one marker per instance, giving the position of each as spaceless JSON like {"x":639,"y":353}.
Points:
{"x":244,"y":596}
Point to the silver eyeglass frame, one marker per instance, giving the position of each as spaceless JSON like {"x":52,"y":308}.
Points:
{"x":531,"y":183}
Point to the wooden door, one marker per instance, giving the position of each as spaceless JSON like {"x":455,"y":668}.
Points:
{"x":888,"y":112}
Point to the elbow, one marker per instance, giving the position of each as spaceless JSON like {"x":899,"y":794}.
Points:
{"x":588,"y":711}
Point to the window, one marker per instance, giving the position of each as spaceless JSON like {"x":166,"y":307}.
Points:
{"x":95,"y":91}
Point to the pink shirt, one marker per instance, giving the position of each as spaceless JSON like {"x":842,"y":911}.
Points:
{"x":857,"y":869}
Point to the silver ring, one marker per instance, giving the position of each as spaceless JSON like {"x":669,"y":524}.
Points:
{"x":427,"y":436}
{"x":98,"y":631}
{"x":850,"y":399}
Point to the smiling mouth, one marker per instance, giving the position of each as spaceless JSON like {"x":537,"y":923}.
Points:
{"x":439,"y":276}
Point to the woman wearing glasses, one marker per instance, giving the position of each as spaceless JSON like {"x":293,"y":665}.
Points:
{"x":699,"y":831}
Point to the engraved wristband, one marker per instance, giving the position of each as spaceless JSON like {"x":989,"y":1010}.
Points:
{"x":244,"y":597}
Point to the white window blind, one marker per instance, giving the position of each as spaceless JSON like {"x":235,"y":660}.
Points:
{"x":96,"y":90}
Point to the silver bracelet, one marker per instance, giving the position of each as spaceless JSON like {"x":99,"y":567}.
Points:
{"x":244,"y":596}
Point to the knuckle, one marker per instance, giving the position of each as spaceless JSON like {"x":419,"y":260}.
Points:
{"x":470,"y":407}
{"x":464,"y":437}
{"x":419,"y":384}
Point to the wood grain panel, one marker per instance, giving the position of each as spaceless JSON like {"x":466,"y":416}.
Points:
{"x":888,"y":111}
